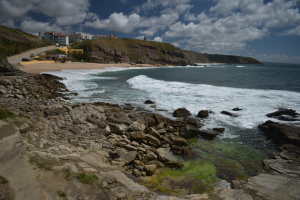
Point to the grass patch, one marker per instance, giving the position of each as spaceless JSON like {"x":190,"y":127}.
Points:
{"x":61,"y":194}
{"x":86,"y":179}
{"x":67,"y":174}
{"x":40,"y":165}
{"x":135,"y":57}
{"x":4,"y":113}
{"x":3,"y":181}
{"x":57,"y":51}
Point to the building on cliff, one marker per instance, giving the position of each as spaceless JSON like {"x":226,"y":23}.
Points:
{"x":57,"y":38}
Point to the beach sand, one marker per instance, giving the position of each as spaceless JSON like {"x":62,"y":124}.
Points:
{"x":48,"y":67}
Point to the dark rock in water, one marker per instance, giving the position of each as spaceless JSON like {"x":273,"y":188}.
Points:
{"x":209,"y":134}
{"x":237,"y":109}
{"x":174,"y":164}
{"x":288,"y":118}
{"x":149,"y":102}
{"x":188,"y":153}
{"x":194,"y":122}
{"x":229,"y":114}
{"x":181,"y":112}
{"x":281,"y":133}
{"x":189,"y":131}
{"x":220,"y":130}
{"x":203,"y":114}
{"x":289,"y":112}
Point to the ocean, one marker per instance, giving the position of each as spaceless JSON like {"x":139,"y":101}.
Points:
{"x":256,"y":89}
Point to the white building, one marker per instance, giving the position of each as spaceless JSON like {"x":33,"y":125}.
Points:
{"x":57,"y":38}
{"x":79,"y":37}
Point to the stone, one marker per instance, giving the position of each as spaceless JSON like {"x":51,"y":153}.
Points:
{"x":153,"y":106}
{"x":152,"y":140}
{"x":96,"y":160}
{"x":118,"y":128}
{"x":281,"y":133}
{"x":237,"y":109}
{"x":149,"y":121}
{"x":150,"y":169}
{"x":177,"y":149}
{"x":165,"y":155}
{"x":160,"y":125}
{"x":148,"y":102}
{"x":125,"y":156}
{"x":130,"y":148}
{"x":188,"y":153}
{"x":157,"y":163}
{"x":283,"y":167}
{"x":69,"y":166}
{"x":194,"y":123}
{"x":289,"y":112}
{"x":164,"y":138}
{"x":180,"y":141}
{"x":138,"y":135}
{"x":153,"y":132}
{"x":203,"y":113}
{"x":137,"y":173}
{"x":161,"y":131}
{"x":3,"y":89}
{"x":229,"y":114}
{"x":174,"y":164}
{"x":220,"y":130}
{"x":136,"y":126}
{"x":181,"y":112}
{"x":189,"y":131}
{"x":208,"y":134}
{"x":149,"y":157}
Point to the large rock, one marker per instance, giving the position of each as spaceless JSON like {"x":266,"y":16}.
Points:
{"x":188,"y":153}
{"x":189,"y":131}
{"x":118,"y":128}
{"x":165,"y":155}
{"x":136,"y":126}
{"x":180,"y":141}
{"x":137,"y":135}
{"x":124,"y":157}
{"x":3,"y":89}
{"x":149,"y":157}
{"x":152,"y":140}
{"x":149,"y":102}
{"x":210,"y":134}
{"x":281,"y":133}
{"x":289,"y":112}
{"x":174,"y":164}
{"x":153,"y":132}
{"x":150,"y":169}
{"x":181,"y":112}
{"x":203,"y":113}
{"x":7,"y":69}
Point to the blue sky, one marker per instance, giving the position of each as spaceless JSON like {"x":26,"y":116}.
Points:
{"x":268,"y":30}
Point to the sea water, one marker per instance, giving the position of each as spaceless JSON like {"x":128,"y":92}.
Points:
{"x":256,"y":89}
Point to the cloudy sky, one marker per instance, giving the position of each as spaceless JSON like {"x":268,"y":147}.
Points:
{"x":268,"y":30}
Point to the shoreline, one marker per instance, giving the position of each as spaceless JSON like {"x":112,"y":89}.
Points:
{"x":48,"y":67}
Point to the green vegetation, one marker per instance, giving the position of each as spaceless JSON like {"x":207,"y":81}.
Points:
{"x":86,"y":179}
{"x":40,"y":165}
{"x":57,"y":51}
{"x":14,"y":41}
{"x":61,"y":194}
{"x":82,"y":57}
{"x":135,"y":57}
{"x":116,"y":60}
{"x":4,"y":113}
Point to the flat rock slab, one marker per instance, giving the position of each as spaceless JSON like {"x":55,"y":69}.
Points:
{"x":283,"y":167}
{"x":166,"y":155}
{"x":274,"y":187}
{"x":96,"y":160}
{"x":124,"y":182}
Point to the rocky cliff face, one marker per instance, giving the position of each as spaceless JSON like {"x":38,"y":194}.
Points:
{"x":139,"y":51}
{"x":7,"y":69}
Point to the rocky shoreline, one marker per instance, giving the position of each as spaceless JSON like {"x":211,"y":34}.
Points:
{"x":118,"y":146}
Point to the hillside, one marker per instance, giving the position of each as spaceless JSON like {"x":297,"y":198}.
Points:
{"x":140,"y":51}
{"x":14,"y":41}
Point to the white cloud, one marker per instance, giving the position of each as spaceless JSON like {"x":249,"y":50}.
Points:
{"x":294,"y":31}
{"x":151,"y":4}
{"x":158,"y":39}
{"x":117,"y":22}
{"x":9,"y":10}
{"x":33,"y":27}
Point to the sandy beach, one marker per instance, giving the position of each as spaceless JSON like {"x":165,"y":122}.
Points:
{"x":47,"y":67}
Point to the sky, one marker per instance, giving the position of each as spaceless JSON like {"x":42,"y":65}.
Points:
{"x":268,"y":30}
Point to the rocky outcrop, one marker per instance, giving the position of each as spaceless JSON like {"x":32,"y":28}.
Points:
{"x":7,"y":69}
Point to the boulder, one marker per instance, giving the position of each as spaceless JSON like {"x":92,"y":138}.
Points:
{"x":220,"y":130}
{"x":210,"y":134}
{"x":164,"y":138}
{"x":237,"y":109}
{"x":153,"y":132}
{"x":177,"y":149}
{"x":180,"y":141}
{"x":174,"y":164}
{"x":161,"y":131}
{"x":129,"y":147}
{"x":165,"y":155}
{"x":152,"y":140}
{"x":189,"y":131}
{"x":150,"y":169}
{"x":193,"y":122}
{"x":160,"y":119}
{"x":149,"y":121}
{"x":157,"y":163}
{"x":150,"y":156}
{"x":118,"y":128}
{"x":137,"y":173}
{"x":229,"y":114}
{"x":3,"y":89}
{"x":181,"y":112}
{"x":136,"y":126}
{"x":281,"y":133}
{"x":124,"y":157}
{"x":137,"y":135}
{"x":188,"y":153}
{"x":203,"y":113}
{"x":289,"y":112}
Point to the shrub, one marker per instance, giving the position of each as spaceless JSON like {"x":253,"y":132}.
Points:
{"x":4,"y":113}
{"x":86,"y":179}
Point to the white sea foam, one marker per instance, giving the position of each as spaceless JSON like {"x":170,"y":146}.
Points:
{"x":195,"y":97}
{"x":240,"y":66}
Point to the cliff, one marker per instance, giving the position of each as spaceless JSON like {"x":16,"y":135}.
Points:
{"x":140,"y":51}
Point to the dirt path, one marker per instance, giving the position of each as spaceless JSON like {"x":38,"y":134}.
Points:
{"x":14,"y":165}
